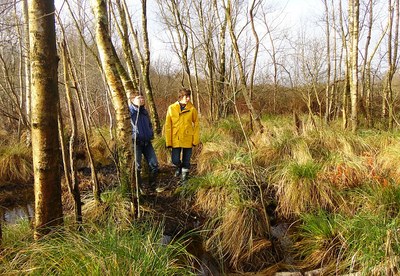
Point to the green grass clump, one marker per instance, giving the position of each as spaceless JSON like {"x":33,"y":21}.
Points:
{"x":319,"y":242}
{"x":299,"y":190}
{"x":307,"y":171}
{"x":365,"y":241}
{"x":230,"y":127}
{"x":114,"y":209}
{"x":94,"y":251}
{"x":373,"y":243}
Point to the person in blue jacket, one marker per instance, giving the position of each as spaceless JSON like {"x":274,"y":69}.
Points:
{"x":142,"y":135}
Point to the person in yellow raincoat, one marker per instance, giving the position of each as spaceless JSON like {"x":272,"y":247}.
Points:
{"x":182,"y":132}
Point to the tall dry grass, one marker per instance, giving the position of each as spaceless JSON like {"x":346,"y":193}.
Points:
{"x":16,"y":165}
{"x":240,"y":237}
{"x":319,"y":178}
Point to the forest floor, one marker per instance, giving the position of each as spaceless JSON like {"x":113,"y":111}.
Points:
{"x":163,"y":203}
{"x":160,"y":204}
{"x":165,"y":206}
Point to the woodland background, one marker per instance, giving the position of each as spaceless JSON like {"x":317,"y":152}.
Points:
{"x":299,"y":127}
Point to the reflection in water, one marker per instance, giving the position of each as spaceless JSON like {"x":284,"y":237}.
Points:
{"x":17,"y":213}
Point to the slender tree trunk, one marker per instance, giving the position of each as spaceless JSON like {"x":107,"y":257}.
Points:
{"x":145,"y":65}
{"x":346,"y":86}
{"x":126,"y":46}
{"x":328,"y":97}
{"x":366,"y":79}
{"x":334,"y":91}
{"x":196,"y":93}
{"x":74,"y":182}
{"x":123,"y":125}
{"x":45,"y":100}
{"x":206,"y":35}
{"x":222,"y":64}
{"x":21,"y":67}
{"x":354,"y":6}
{"x":144,"y":60}
{"x":85,"y":128}
{"x":393,"y":43}
{"x":183,"y":41}
{"x":27,"y":68}
{"x":254,"y":116}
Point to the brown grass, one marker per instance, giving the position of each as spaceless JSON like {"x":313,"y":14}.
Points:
{"x":388,"y":161}
{"x":325,"y":253}
{"x":16,"y":165}
{"x":212,"y":200}
{"x":241,"y":237}
{"x":211,"y":158}
{"x":299,"y":190}
{"x":114,"y":209}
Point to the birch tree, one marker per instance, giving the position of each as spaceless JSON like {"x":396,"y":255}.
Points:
{"x":110,"y":62}
{"x":45,"y":100}
{"x":144,"y":60}
{"x":240,"y":64}
{"x":328,"y":97}
{"x":392,"y":58}
{"x":221,"y":68}
{"x":354,"y":14}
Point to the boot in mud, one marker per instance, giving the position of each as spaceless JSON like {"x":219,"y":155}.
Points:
{"x":185,"y":176}
{"x":152,"y":180}
{"x":139,"y":183}
{"x":178,"y":171}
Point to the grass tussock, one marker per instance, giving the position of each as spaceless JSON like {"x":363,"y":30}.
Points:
{"x":230,"y":128}
{"x":102,"y":146}
{"x":320,"y":244}
{"x":298,"y":189}
{"x":345,"y":173}
{"x":241,"y":237}
{"x":213,"y":156}
{"x":366,"y":241}
{"x":113,"y":210}
{"x":377,"y":249}
{"x":213,"y":195}
{"x":322,"y":168}
{"x":389,"y":161}
{"x":94,"y":251}
{"x":16,"y":165}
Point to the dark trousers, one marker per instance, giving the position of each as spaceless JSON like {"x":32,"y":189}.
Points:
{"x":185,"y":153}
{"x":146,"y":149}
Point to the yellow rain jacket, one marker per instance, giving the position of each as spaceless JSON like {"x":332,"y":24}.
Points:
{"x":182,"y":127}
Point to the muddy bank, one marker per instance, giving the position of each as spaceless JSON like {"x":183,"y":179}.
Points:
{"x":13,"y":195}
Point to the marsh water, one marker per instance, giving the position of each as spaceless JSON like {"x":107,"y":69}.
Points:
{"x":14,"y":214}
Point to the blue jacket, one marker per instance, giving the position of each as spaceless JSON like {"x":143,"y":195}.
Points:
{"x":141,"y":125}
